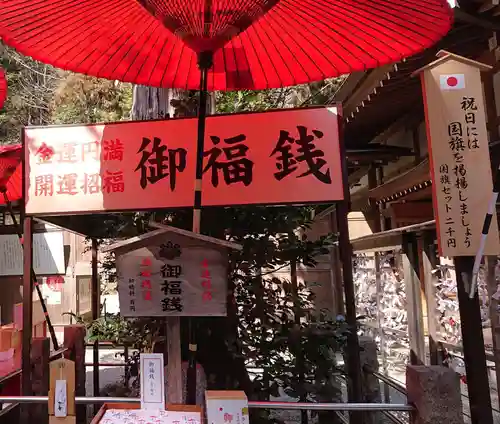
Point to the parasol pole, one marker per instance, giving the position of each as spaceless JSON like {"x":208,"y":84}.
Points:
{"x":205,"y":61}
{"x":33,"y":275}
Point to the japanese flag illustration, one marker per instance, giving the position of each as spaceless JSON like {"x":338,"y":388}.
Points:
{"x":452,"y":81}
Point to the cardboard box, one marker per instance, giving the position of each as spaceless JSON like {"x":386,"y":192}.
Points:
{"x":226,"y":407}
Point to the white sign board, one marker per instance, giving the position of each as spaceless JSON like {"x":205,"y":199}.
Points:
{"x":134,"y":416}
{"x":48,"y":254}
{"x":277,"y":157}
{"x":191,"y":284}
{"x":152,"y":381}
{"x":226,"y":406}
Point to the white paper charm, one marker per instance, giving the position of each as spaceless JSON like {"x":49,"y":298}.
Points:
{"x":60,"y":399}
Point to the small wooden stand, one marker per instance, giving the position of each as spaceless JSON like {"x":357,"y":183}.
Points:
{"x":62,"y":369}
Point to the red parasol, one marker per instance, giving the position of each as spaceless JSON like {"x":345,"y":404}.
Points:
{"x":296,"y":41}
{"x":237,"y":44}
{"x":3,"y":87}
{"x":10,"y":173}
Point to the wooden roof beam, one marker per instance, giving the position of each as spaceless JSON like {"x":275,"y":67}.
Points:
{"x":476,"y":19}
{"x":348,"y":86}
{"x":406,"y":122}
{"x":366,"y":88}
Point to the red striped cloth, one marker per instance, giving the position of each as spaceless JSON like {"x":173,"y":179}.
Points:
{"x":3,"y":88}
{"x":296,"y":41}
{"x":11,"y":172}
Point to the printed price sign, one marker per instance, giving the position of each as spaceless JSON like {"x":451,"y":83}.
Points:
{"x":152,"y":381}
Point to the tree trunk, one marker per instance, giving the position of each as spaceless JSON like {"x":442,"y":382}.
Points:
{"x":228,"y":371}
{"x":153,"y":103}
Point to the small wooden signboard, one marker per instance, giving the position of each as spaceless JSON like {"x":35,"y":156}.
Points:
{"x":170,"y":272}
{"x":62,"y":392}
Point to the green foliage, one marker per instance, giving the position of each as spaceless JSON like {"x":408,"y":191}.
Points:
{"x":141,"y":334}
{"x":280,"y":329}
{"x":84,"y":99}
{"x":31,"y":86}
{"x":320,"y":93}
{"x":39,"y":94}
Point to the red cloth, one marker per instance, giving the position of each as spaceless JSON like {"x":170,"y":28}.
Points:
{"x":11,"y":172}
{"x":11,"y":386}
{"x":295,"y":42}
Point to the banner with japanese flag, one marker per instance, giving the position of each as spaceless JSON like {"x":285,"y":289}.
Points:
{"x":452,"y":82}
{"x":457,"y":138}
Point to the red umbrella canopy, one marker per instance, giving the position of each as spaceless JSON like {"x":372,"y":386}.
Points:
{"x":10,"y":173}
{"x":205,"y":25}
{"x":257,"y":44}
{"x":3,"y":88}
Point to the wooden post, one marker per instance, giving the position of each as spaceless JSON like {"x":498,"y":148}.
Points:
{"x":473,"y":345}
{"x":95,"y":315}
{"x":355,"y":393}
{"x":174,"y":364}
{"x":336,"y":275}
{"x":297,"y":348}
{"x":494,"y":135}
{"x":375,"y":179}
{"x":380,"y":329}
{"x":27,"y":315}
{"x":74,"y":340}
{"x":413,"y":299}
{"x":62,"y":370}
{"x":40,"y":353}
{"x":426,"y":241}
{"x":491,"y":263}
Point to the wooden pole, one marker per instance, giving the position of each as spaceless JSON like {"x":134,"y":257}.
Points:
{"x":299,"y":357}
{"x":491,"y":263}
{"x":174,"y":364}
{"x":380,"y":314}
{"x":95,"y":315}
{"x":40,"y":354}
{"x":414,"y":300}
{"x":473,"y":344}
{"x":27,"y":314}
{"x":355,"y":392}
{"x":494,"y":135}
{"x":335,"y":264}
{"x":426,"y":243}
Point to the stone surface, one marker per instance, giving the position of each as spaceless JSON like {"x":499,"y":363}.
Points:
{"x":371,"y":385}
{"x":435,"y":393}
